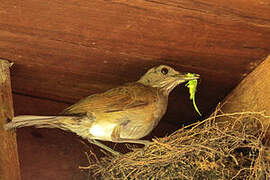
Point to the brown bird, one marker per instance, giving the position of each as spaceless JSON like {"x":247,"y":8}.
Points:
{"x":122,"y":114}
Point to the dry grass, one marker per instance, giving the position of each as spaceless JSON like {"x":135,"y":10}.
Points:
{"x":203,"y":150}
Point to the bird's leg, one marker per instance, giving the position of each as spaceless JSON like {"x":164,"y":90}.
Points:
{"x":135,"y":141}
{"x":103,"y":146}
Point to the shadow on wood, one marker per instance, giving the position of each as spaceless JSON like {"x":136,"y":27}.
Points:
{"x":252,"y":94}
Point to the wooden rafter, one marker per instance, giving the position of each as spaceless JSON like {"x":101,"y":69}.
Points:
{"x":9,"y":161}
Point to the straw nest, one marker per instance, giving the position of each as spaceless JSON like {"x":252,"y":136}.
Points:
{"x":203,"y":150}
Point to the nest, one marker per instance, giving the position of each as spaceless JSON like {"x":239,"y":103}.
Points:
{"x":203,"y":150}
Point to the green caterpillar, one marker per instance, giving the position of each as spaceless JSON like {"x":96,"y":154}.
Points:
{"x":192,"y":85}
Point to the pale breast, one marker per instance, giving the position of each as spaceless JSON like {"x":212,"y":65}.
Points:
{"x":142,"y":124}
{"x":161,"y":107}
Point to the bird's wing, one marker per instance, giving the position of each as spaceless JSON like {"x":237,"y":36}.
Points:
{"x":118,"y":99}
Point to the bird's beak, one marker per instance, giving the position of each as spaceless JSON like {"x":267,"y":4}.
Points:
{"x":187,"y":76}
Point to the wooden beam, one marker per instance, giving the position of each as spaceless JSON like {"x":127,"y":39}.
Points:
{"x":67,"y":51}
{"x":252,"y":94}
{"x":9,"y":161}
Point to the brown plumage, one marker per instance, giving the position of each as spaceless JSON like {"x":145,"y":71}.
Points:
{"x":123,"y":114}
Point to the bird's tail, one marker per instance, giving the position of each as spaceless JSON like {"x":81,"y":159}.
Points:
{"x":37,"y":121}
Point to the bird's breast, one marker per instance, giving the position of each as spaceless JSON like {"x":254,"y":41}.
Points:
{"x":160,"y":108}
{"x":145,"y":121}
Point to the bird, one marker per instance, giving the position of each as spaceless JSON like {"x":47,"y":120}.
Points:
{"x":123,"y":114}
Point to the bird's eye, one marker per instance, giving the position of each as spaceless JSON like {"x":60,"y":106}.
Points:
{"x":164,"y":71}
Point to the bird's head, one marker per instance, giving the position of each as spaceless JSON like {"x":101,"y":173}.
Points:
{"x":165,"y":78}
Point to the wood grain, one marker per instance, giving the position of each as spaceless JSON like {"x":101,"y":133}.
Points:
{"x":9,"y":161}
{"x":252,"y":94}
{"x":67,"y":50}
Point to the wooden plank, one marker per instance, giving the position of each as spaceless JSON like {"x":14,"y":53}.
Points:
{"x":252,"y":94}
{"x":66,"y":51}
{"x":9,"y":161}
{"x":36,"y":106}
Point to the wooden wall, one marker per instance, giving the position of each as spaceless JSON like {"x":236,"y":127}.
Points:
{"x":66,"y":50}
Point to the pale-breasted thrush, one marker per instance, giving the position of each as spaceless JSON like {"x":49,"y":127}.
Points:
{"x":122,"y":114}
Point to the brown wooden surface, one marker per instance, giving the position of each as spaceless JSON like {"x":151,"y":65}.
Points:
{"x":66,"y":50}
{"x":252,"y":94}
{"x":9,"y":161}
